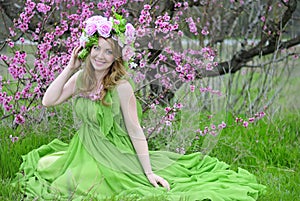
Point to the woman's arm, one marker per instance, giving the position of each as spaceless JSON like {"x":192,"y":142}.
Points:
{"x":63,"y":86}
{"x":128,"y":105}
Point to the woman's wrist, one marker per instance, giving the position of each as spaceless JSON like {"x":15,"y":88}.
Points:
{"x":148,"y":173}
{"x":70,"y":68}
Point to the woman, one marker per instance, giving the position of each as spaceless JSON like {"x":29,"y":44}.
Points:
{"x":108,"y":157}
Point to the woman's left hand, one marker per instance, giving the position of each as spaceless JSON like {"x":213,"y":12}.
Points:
{"x":155,"y":180}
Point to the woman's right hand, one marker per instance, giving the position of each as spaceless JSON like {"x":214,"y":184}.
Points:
{"x":75,"y":62}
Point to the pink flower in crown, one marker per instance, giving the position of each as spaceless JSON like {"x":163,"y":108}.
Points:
{"x":104,"y":28}
{"x":127,"y":53}
{"x":90,"y":29}
{"x":129,"y":33}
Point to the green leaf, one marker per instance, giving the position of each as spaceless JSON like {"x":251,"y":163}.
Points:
{"x":83,"y":54}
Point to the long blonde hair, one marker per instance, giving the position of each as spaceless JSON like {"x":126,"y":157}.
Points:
{"x":114,"y":75}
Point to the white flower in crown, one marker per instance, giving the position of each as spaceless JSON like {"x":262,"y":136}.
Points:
{"x":83,"y":39}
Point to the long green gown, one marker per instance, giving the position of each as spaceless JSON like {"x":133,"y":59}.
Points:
{"x":100,"y":164}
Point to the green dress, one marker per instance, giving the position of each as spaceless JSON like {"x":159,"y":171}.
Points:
{"x":100,"y":164}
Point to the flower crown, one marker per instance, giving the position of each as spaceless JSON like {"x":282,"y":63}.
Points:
{"x":117,"y":28}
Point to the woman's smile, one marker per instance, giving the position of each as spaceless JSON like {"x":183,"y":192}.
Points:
{"x":99,"y":62}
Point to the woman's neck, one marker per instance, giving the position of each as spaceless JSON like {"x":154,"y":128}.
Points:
{"x":100,"y":75}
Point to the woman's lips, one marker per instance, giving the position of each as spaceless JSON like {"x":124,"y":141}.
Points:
{"x":99,"y":62}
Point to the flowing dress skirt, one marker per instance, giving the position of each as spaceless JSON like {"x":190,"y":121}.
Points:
{"x":100,"y":163}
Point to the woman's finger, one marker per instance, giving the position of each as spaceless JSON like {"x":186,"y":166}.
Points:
{"x":164,"y":183}
{"x":153,"y":182}
{"x":76,"y":50}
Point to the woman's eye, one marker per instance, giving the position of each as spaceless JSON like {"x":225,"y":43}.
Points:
{"x":109,"y":52}
{"x":96,"y":48}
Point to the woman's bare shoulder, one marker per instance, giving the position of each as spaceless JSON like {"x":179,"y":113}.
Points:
{"x":124,"y":85}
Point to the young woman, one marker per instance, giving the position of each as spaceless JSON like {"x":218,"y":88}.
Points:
{"x":108,"y":158}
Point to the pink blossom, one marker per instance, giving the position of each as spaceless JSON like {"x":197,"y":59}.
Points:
{"x":245,"y":124}
{"x":251,"y":119}
{"x":157,"y":76}
{"x":261,"y":114}
{"x":180,"y":33}
{"x":213,"y":133}
{"x":127,"y":53}
{"x":22,"y":40}
{"x":43,"y":8}
{"x":19,"y":119}
{"x":213,"y":126}
{"x":11,"y":44}
{"x":209,"y":66}
{"x":263,"y":18}
{"x":178,"y":105}
{"x":168,"y":109}
{"x":223,"y":124}
{"x":147,"y":7}
{"x":168,"y":123}
{"x":178,"y":4}
{"x":204,"y":31}
{"x":220,"y":126}
{"x":12,"y":32}
{"x":13,"y":138}
{"x":185,"y":4}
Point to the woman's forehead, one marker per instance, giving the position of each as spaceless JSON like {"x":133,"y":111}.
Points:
{"x":104,"y":43}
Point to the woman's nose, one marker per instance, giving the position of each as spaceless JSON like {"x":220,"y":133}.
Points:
{"x":100,"y":54}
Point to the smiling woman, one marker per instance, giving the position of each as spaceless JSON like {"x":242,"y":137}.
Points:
{"x":108,"y":156}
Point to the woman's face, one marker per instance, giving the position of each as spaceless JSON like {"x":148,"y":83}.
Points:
{"x":102,"y":55}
